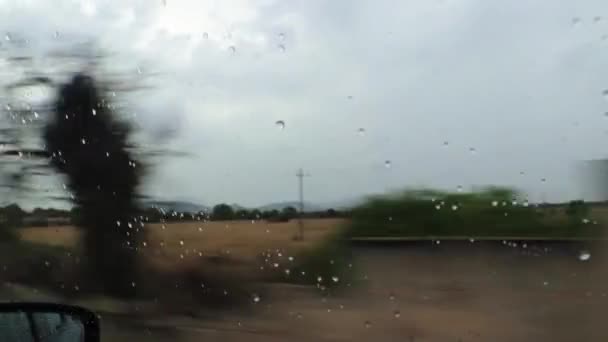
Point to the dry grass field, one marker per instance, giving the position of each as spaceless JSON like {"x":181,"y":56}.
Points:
{"x":241,"y":241}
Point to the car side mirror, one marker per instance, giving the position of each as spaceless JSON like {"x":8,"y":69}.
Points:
{"x":42,"y":322}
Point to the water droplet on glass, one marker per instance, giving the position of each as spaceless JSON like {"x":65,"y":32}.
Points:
{"x":281,"y":47}
{"x":576,"y":21}
{"x":543,"y":180}
{"x":335,"y":279}
{"x":605,"y":94}
{"x":255,"y":298}
{"x":232,"y":49}
{"x":282,"y":36}
{"x":397,"y":313}
{"x":545,"y":283}
{"x":164,"y":3}
{"x":205,"y":35}
{"x":472,"y":150}
{"x":36,"y":115}
{"x":7,"y":37}
{"x":391,"y":296}
{"x":446,"y":143}
{"x":118,"y":223}
{"x":584,"y":256}
{"x":454,"y":207}
{"x":139,"y":70}
{"x":47,"y":263}
{"x":290,"y":258}
{"x":368,"y":324}
{"x":133,"y":284}
{"x":471,"y":240}
{"x":181,"y":242}
{"x":319,"y":279}
{"x":437,"y":206}
{"x":459,"y":188}
{"x":387,"y":164}
{"x":597,"y":19}
{"x":361,"y":131}
{"x":83,"y":141}
{"x":280,"y":124}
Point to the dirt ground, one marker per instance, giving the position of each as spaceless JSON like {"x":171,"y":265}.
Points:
{"x":421,"y":292}
{"x":241,"y":240}
{"x":451,"y":291}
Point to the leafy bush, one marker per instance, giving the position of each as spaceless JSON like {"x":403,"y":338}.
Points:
{"x":493,"y":211}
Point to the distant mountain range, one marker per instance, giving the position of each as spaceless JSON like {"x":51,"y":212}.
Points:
{"x":179,"y":206}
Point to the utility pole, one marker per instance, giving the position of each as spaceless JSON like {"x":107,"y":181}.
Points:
{"x":300,"y":174}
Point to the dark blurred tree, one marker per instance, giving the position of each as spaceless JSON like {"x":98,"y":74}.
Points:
{"x":89,"y":145}
{"x":331,"y":212}
{"x":242,"y":214}
{"x":13,"y":215}
{"x":289,"y":213}
{"x":577,"y":209}
{"x":255,"y":214}
{"x":222,"y":212}
{"x":153,"y":215}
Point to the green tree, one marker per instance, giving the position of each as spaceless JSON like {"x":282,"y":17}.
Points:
{"x":242,"y":214}
{"x":289,"y":213}
{"x":90,"y":146}
{"x":222,"y":212}
{"x":255,"y":214}
{"x":577,"y":209}
{"x":14,"y":215}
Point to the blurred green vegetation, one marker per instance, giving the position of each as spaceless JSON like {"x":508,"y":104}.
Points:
{"x":492,"y":211}
{"x":327,"y":265}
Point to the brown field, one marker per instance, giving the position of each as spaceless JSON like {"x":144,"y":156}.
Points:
{"x":241,"y":241}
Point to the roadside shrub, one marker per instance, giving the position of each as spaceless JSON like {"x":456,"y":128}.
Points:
{"x":493,"y":211}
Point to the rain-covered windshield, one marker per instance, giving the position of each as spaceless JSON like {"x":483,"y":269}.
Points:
{"x":308,"y":170}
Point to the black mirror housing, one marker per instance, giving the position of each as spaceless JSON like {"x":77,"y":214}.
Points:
{"x":40,"y":322}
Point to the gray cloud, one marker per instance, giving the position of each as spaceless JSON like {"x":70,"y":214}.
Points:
{"x":517,"y":82}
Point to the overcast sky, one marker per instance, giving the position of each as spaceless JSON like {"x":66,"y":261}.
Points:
{"x":450,"y":92}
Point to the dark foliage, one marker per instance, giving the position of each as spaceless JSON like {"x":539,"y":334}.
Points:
{"x":89,"y":146}
{"x":222,"y":212}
